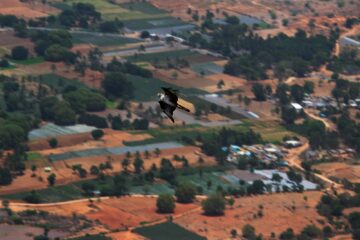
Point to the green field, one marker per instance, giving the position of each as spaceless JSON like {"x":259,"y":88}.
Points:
{"x":160,"y":56}
{"x":166,"y":231}
{"x":143,"y":7}
{"x":147,"y":88}
{"x":52,"y":194}
{"x":202,"y":181}
{"x":207,"y":68}
{"x":111,"y":10}
{"x":153,"y":22}
{"x":59,"y":83}
{"x":30,"y":61}
{"x":271,"y":131}
{"x":61,"y":5}
{"x":100,"y":40}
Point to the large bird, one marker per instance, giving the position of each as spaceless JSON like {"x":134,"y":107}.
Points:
{"x":169,"y":102}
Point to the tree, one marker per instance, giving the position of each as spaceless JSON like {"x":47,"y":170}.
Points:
{"x":94,"y":170}
{"x":185,"y":192}
{"x":120,"y":185}
{"x":51,"y":179}
{"x":288,"y":114}
{"x":297,"y":93}
{"x":5,"y":176}
{"x":57,"y":53}
{"x":354,"y":220}
{"x":288,"y":234}
{"x":214,"y":205}
{"x":138,"y":164}
{"x":97,"y":134}
{"x":19,"y":53}
{"x":157,"y":152}
{"x":247,"y":102}
{"x":145,"y":34}
{"x":259,"y":92}
{"x":165,"y":203}
{"x":110,"y":27}
{"x":276,"y":177}
{"x":63,"y":114}
{"x":167,"y":170}
{"x":125,"y":164}
{"x":117,"y":85}
{"x":258,"y":187}
{"x":53,"y":142}
{"x":248,"y":232}
{"x":309,"y":87}
{"x":311,"y":232}
{"x":5,"y":204}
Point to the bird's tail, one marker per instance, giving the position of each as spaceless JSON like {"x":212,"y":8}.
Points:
{"x":183,"y":108}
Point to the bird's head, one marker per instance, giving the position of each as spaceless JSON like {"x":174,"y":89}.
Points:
{"x":160,"y":96}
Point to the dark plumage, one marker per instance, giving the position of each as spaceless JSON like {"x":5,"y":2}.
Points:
{"x":168,"y":102}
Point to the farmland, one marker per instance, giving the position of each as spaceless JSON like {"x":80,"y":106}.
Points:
{"x":101,"y":41}
{"x":268,"y":147}
{"x":146,"y":88}
{"x":165,"y":231}
{"x":161,"y":56}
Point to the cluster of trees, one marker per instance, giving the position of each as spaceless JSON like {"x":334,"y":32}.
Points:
{"x":317,"y":134}
{"x":117,"y":85}
{"x":345,"y":90}
{"x":19,"y":53}
{"x":332,"y":206}
{"x":349,"y":130}
{"x":348,"y":62}
{"x":252,"y":55}
{"x":76,"y":101}
{"x":128,"y":68}
{"x":81,"y":15}
{"x":52,"y":109}
{"x":54,"y":45}
{"x":117,"y":123}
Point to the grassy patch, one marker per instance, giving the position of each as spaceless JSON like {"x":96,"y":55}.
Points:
{"x":150,"y":22}
{"x":111,"y":104}
{"x":79,"y":38}
{"x":52,"y":194}
{"x":271,"y":131}
{"x":143,"y":7}
{"x":167,"y":230}
{"x":31,"y":156}
{"x":58,"y":82}
{"x":183,"y":134}
{"x":8,"y":68}
{"x":61,"y":5}
{"x":147,"y":88}
{"x":30,"y":61}
{"x":160,"y":56}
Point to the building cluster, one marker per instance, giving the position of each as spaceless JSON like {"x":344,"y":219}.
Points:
{"x":265,"y":152}
{"x":326,"y":102}
{"x":278,"y":180}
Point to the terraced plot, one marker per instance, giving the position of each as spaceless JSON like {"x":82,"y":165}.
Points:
{"x":101,"y":40}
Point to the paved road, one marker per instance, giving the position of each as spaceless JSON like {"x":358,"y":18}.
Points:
{"x":223,"y":103}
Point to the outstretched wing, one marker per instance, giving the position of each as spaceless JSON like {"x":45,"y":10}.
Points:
{"x":171,"y":93}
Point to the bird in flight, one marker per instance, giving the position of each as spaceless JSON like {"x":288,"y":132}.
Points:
{"x":168,"y":101}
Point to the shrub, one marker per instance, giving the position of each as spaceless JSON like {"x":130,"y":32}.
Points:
{"x":165,"y":203}
{"x":97,"y":134}
{"x":214,"y":205}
